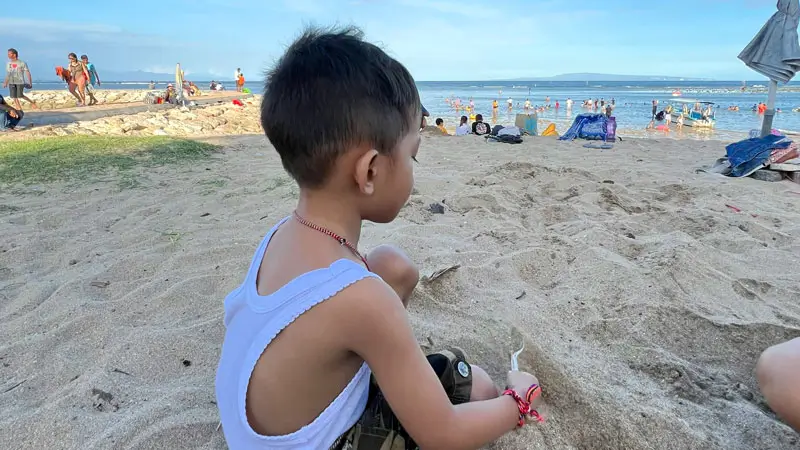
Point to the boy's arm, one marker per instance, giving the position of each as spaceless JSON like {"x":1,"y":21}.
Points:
{"x":96,"y":75}
{"x":379,"y":332}
{"x":30,"y":77}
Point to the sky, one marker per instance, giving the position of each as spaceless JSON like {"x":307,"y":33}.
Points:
{"x":437,"y":40}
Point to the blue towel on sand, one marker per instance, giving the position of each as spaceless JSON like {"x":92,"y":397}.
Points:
{"x":749,"y":155}
{"x":587,"y":126}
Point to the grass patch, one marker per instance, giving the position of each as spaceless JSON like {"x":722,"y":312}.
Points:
{"x":79,"y":157}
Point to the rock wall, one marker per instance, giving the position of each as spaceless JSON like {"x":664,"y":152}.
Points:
{"x":63,"y":98}
{"x":212,"y":120}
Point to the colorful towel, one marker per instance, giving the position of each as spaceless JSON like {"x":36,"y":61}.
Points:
{"x":749,"y":155}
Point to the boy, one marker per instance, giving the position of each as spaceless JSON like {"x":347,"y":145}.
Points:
{"x":480,"y":127}
{"x":318,"y":349}
{"x":9,"y":117}
{"x":441,"y":127}
{"x":94,"y":79}
{"x":16,"y":73}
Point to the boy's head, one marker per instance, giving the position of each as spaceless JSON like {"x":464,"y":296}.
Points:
{"x":464,"y":120}
{"x":344,"y":117}
{"x":12,"y":54}
{"x":439,"y":121}
{"x":479,"y":118}
{"x":84,"y":58}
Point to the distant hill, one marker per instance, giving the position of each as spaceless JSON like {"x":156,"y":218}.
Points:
{"x":606,"y":77}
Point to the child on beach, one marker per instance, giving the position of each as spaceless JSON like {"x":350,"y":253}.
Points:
{"x":93,"y":81}
{"x":440,"y":126}
{"x":318,"y":350}
{"x":463,"y":127}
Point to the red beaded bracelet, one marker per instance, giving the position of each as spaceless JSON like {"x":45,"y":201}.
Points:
{"x":524,"y":407}
{"x":534,"y":391}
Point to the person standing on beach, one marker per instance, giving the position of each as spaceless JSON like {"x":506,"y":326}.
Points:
{"x":655,"y":109}
{"x":236,"y":76}
{"x":94,"y":79}
{"x":9,"y":116}
{"x":16,"y":73}
{"x":78,"y":76}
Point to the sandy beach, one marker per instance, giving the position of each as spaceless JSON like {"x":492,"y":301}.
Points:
{"x":642,"y":299}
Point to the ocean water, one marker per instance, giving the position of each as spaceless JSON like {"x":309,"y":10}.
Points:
{"x":633,"y":99}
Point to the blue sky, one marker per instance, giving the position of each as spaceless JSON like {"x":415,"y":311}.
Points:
{"x":435,"y":39}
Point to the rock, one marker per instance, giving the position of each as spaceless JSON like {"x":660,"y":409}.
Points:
{"x":767,"y":175}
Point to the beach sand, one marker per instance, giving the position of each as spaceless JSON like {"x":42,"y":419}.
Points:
{"x":642,"y":299}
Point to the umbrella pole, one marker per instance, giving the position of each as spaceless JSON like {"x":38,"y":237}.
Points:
{"x":769,"y":114}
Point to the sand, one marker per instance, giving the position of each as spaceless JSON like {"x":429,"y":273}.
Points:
{"x":643,"y":300}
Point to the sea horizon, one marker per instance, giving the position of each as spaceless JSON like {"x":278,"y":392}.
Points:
{"x":632,"y":98}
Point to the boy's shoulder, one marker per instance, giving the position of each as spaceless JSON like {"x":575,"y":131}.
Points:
{"x":366,"y":300}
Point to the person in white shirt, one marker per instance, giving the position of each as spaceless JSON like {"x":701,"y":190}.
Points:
{"x":510,"y":103}
{"x":463,"y":127}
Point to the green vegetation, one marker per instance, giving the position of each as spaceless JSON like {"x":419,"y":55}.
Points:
{"x":71,"y":158}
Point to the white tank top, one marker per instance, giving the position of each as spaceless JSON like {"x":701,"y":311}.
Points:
{"x":252,"y":321}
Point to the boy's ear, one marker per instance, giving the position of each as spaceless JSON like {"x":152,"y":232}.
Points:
{"x":366,"y":171}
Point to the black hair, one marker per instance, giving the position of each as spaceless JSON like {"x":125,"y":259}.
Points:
{"x":14,"y":51}
{"x":84,"y":57}
{"x":72,"y":55}
{"x":464,"y":119}
{"x":479,"y":118}
{"x":332,"y":91}
{"x":439,"y":121}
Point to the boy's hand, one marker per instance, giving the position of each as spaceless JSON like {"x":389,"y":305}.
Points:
{"x":13,"y":113}
{"x":520,"y":382}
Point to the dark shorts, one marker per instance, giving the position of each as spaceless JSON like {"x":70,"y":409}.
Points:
{"x":378,"y":427}
{"x":16,"y":90}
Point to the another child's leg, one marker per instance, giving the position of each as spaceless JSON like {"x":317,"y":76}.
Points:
{"x":778,"y":372}
{"x":395,"y":268}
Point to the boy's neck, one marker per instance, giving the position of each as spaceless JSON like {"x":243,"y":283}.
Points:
{"x":332,"y":212}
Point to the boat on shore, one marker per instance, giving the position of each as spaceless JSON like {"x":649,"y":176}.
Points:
{"x":696,"y":114}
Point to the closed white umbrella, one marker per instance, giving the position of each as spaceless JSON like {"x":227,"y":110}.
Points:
{"x":179,"y":83}
{"x":775,"y":53}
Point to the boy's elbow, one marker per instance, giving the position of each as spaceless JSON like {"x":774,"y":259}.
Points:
{"x":446,"y":435}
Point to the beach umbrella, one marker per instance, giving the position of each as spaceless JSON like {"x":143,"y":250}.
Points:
{"x":775,"y":53}
{"x":179,"y":83}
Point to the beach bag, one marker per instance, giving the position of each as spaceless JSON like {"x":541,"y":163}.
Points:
{"x":527,"y":122}
{"x":509,"y":131}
